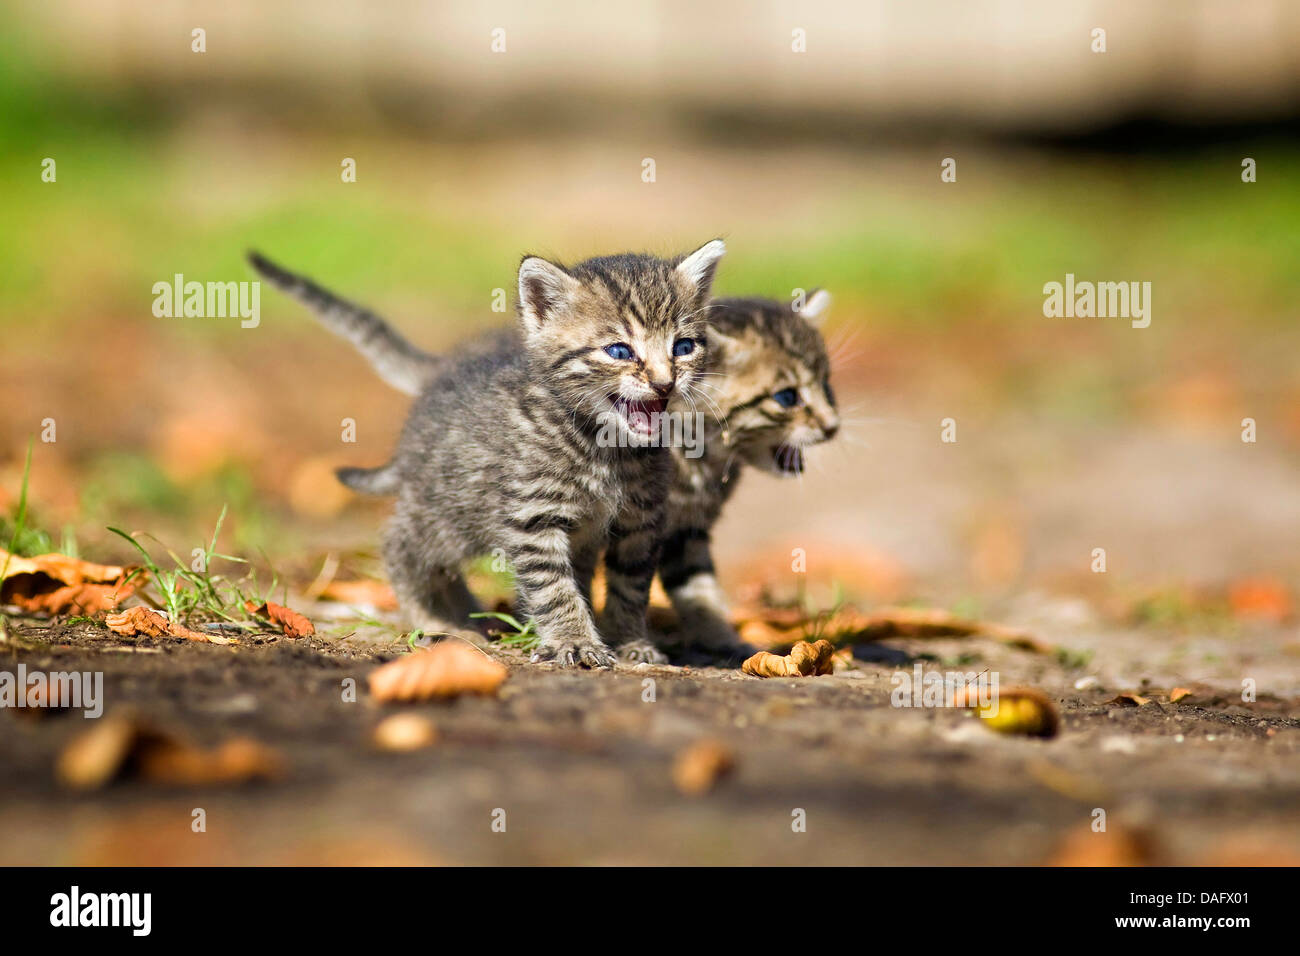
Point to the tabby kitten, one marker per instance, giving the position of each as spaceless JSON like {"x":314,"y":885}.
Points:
{"x":500,"y":451}
{"x":773,"y":399}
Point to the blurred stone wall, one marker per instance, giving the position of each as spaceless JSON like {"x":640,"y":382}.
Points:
{"x":1024,"y":64}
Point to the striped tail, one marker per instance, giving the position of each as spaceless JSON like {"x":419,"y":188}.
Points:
{"x":398,"y":362}
{"x":383,"y":480}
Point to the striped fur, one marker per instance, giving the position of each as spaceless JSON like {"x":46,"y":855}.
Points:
{"x":759,"y":347}
{"x":500,"y":455}
{"x":398,"y":362}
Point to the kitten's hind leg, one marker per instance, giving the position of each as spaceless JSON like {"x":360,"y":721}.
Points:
{"x":443,"y":606}
{"x":434,"y":600}
{"x":686,"y":570}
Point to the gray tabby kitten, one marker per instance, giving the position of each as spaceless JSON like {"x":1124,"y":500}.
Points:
{"x":500,"y":451}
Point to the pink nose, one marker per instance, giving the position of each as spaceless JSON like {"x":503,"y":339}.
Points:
{"x":662,"y":389}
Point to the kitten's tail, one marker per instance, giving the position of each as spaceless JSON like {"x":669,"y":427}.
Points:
{"x":383,"y":480}
{"x":398,"y":362}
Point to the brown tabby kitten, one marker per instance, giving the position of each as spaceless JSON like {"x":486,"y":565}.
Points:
{"x":501,"y":454}
{"x":773,"y":399}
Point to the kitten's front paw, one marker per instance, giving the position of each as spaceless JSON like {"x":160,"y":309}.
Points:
{"x":641,"y":652}
{"x":591,"y":654}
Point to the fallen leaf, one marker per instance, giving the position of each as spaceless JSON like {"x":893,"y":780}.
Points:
{"x":698,"y":768}
{"x":92,"y":758}
{"x":1178,"y":693}
{"x":368,"y":593}
{"x":1129,"y":700}
{"x":59,"y":584}
{"x":236,"y":760}
{"x":402,"y":732}
{"x":447,"y":669}
{"x":1014,"y":710}
{"x":126,"y":746}
{"x":148,"y":623}
{"x":778,"y":628}
{"x":139,"y":620}
{"x":804,"y":660}
{"x":291,"y":622}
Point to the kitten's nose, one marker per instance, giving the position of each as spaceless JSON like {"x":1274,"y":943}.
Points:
{"x":662,"y":389}
{"x":830,"y":430}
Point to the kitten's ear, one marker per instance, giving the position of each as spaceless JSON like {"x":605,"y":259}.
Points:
{"x":544,"y":290}
{"x":698,"y":268}
{"x":815,"y":307}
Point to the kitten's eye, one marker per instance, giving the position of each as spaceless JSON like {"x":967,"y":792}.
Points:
{"x":683,"y":347}
{"x":787,"y":397}
{"x":619,"y":350}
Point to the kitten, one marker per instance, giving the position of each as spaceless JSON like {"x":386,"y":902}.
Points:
{"x":500,"y":451}
{"x":772,"y":399}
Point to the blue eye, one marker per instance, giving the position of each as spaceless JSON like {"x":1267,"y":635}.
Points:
{"x":619,"y":350}
{"x":683,"y":347}
{"x":787,"y":398}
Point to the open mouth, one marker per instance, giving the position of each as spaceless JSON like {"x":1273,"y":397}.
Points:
{"x":640,"y":414}
{"x":789,"y":460}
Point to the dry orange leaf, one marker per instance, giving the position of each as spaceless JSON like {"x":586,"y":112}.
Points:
{"x":804,"y":660}
{"x":780,"y":627}
{"x":369,"y":593}
{"x":698,"y":768}
{"x":147,"y":623}
{"x":402,"y":732}
{"x":234,"y":761}
{"x":1178,"y":693}
{"x":291,"y":622}
{"x":59,"y":584}
{"x":447,"y":669}
{"x":123,"y":746}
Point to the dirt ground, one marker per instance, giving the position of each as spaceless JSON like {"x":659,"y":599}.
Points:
{"x":581,"y":764}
